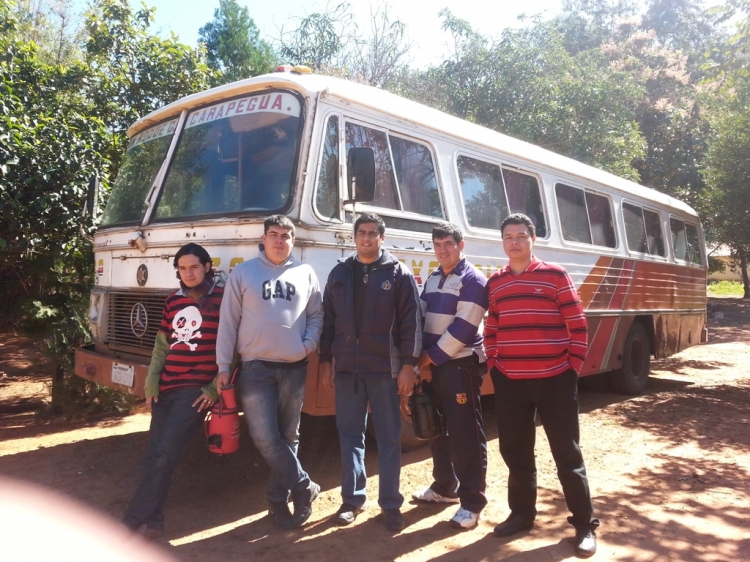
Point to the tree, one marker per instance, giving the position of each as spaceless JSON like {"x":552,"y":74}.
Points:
{"x":321,"y":40}
{"x":528,"y":86}
{"x":61,"y":125}
{"x":51,"y":25}
{"x":727,"y":174}
{"x":233,"y":44}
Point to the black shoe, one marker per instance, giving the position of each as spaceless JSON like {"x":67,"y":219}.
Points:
{"x":515,"y":523}
{"x":280,"y":515}
{"x":346,"y":514}
{"x":303,"y":504}
{"x":584,"y":543}
{"x":393,"y":519}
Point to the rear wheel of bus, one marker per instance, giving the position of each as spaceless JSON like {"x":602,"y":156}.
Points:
{"x":632,"y":378}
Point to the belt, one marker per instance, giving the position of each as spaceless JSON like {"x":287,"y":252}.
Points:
{"x":282,"y":364}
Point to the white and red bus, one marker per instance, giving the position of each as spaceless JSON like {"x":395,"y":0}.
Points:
{"x":210,"y":167}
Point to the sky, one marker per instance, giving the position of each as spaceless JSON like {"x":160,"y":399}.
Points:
{"x":489,"y":17}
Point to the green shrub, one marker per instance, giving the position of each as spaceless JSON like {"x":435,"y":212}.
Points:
{"x":725,"y":289}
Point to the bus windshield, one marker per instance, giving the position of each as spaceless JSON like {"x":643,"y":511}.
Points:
{"x":144,"y":157}
{"x":234,"y":156}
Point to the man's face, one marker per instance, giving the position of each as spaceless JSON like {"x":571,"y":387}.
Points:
{"x":278,"y":242}
{"x":448,"y":252}
{"x":192,"y":272}
{"x":368,"y":241}
{"x":518,"y":242}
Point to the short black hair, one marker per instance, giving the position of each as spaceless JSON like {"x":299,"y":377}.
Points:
{"x":519,"y":218}
{"x":193,"y":249}
{"x":282,"y":221}
{"x":444,"y":229}
{"x":370,"y":217}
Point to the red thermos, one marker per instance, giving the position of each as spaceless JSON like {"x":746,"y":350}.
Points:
{"x":223,"y":423}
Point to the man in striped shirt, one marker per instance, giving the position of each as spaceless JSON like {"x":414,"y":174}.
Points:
{"x":536,"y":340}
{"x":454,"y":301}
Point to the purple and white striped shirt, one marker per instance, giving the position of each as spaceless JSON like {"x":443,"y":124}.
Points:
{"x":453,"y":307}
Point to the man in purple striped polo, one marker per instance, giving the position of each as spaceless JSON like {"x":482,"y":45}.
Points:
{"x":536,"y":338}
{"x":454,"y":301}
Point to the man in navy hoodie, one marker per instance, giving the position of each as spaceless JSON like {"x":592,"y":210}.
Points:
{"x":372,"y":328}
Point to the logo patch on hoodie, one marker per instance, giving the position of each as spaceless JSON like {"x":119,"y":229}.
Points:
{"x":386,"y":286}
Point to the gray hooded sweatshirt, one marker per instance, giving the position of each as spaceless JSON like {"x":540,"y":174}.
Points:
{"x":269,"y":312}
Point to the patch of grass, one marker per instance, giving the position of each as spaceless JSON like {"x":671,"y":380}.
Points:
{"x":725,"y":289}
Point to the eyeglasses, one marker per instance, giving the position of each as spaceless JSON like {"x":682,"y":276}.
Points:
{"x":368,"y":233}
{"x":366,"y":276}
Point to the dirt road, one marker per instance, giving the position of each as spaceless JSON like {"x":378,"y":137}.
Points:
{"x":669,"y":471}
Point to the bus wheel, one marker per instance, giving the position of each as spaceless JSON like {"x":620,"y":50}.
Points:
{"x":636,"y":363}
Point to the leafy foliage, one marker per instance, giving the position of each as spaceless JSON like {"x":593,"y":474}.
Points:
{"x":235,"y":50}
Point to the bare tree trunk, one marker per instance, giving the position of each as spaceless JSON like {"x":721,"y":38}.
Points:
{"x":745,"y":280}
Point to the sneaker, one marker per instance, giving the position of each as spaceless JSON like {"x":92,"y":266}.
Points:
{"x":584,"y":543}
{"x":303,"y":504}
{"x":347,"y":514}
{"x":280,"y":515}
{"x":430,"y":495}
{"x":393,"y":519}
{"x":465,"y":519}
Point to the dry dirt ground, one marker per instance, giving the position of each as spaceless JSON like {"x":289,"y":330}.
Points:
{"x":669,"y":470}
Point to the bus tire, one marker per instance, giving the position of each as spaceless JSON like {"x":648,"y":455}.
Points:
{"x":632,"y":378}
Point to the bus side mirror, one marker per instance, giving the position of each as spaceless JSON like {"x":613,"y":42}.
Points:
{"x":360,"y":174}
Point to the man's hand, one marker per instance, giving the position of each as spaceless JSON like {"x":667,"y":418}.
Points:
{"x":407,"y":377}
{"x":424,"y":366}
{"x":325,"y":373}
{"x":151,"y":400}
{"x":222,"y":379}
{"x":203,"y":402}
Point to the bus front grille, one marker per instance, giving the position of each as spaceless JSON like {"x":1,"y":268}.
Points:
{"x":134,"y":318}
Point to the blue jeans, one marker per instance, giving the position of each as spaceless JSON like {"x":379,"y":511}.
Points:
{"x":174,"y":422}
{"x":352,"y":397}
{"x":272,"y":402}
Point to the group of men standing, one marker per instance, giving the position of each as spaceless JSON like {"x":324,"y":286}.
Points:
{"x":377,"y":336}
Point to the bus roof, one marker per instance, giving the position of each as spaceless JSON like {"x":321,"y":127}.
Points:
{"x":310,"y":85}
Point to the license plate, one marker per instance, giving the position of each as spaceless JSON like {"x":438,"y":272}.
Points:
{"x":123,"y":374}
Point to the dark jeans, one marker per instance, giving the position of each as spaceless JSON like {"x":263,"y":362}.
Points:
{"x":556,"y":400}
{"x":272,"y":401}
{"x":459,"y":459}
{"x":352,"y":398}
{"x":174,"y":423}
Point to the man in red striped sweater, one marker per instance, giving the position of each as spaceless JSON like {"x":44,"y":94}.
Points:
{"x":536,"y":339}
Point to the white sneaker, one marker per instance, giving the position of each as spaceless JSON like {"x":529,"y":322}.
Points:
{"x":465,"y":519}
{"x":430,"y":495}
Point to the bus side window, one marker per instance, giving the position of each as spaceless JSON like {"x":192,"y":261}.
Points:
{"x":635,"y":229}
{"x":573,"y":216}
{"x":679,"y":239}
{"x":327,"y":194}
{"x":693,"y":244}
{"x":653,"y":233}
{"x":386,"y":194}
{"x":524,"y":197}
{"x":483,"y":193}
{"x":415,"y":172}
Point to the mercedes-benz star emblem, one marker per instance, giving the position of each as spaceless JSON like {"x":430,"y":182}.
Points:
{"x":141,"y":276}
{"x":138,"y":320}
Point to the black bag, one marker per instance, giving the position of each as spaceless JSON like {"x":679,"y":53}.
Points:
{"x":427,"y":420}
